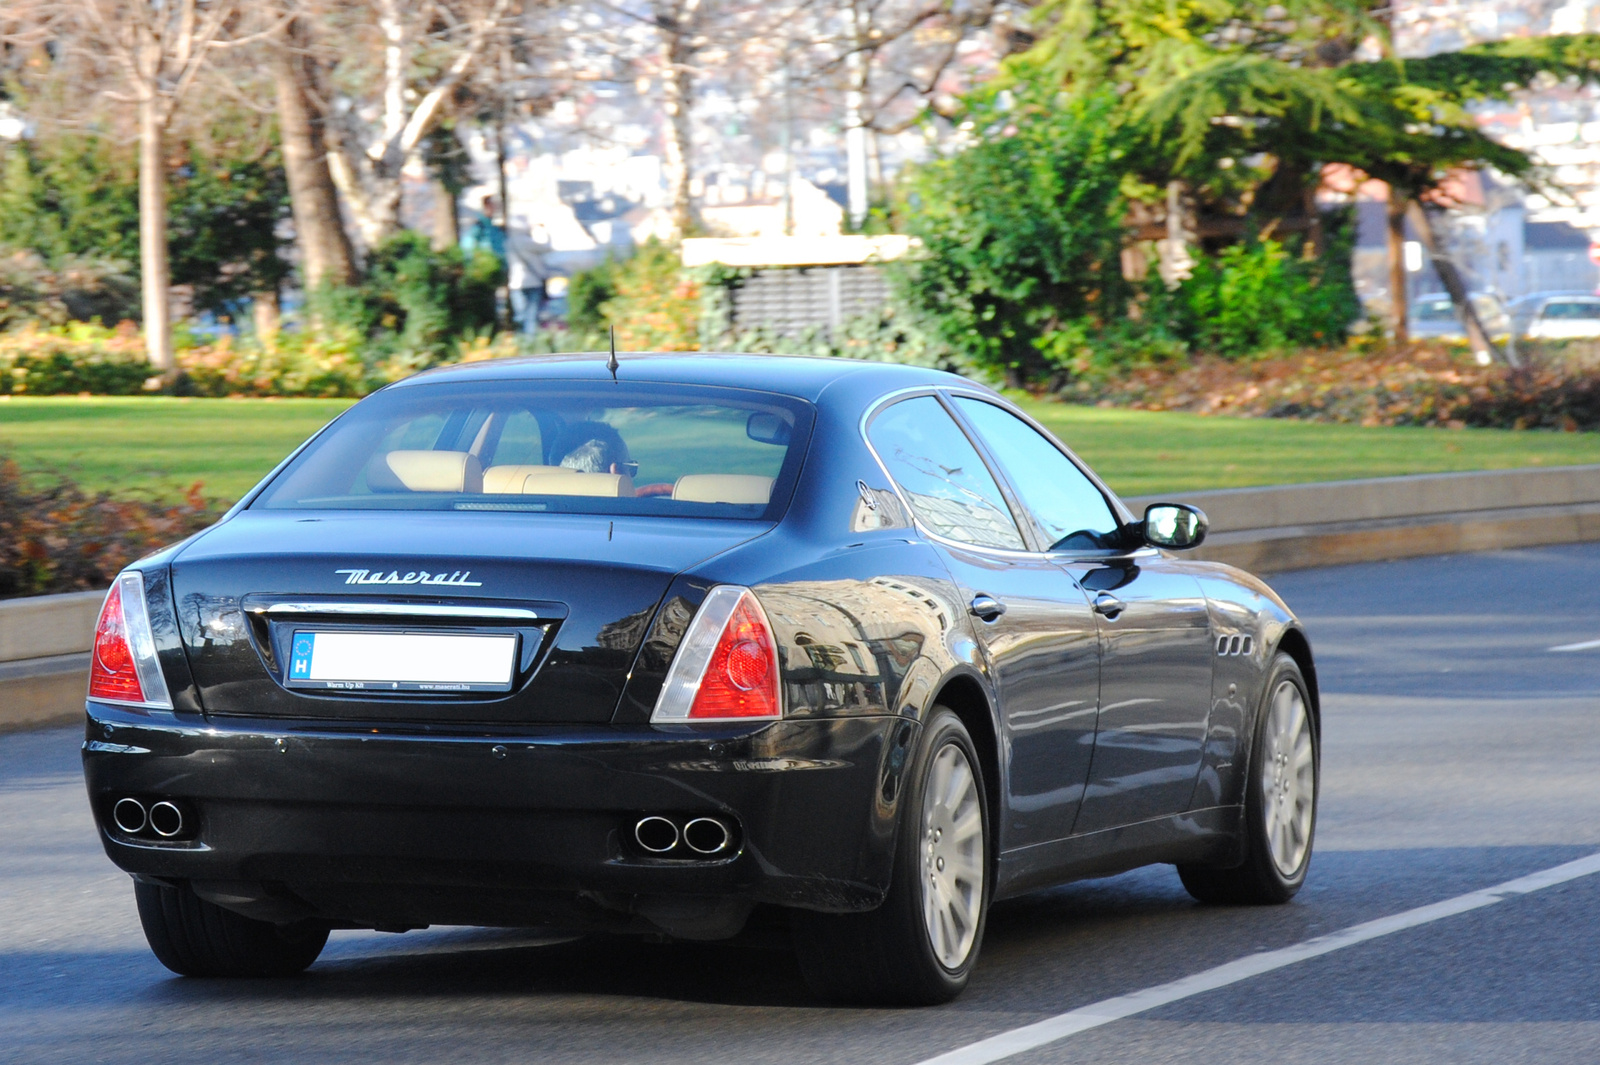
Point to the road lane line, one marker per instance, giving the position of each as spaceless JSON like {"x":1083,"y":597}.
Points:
{"x":1584,"y":646}
{"x":1051,"y":1029}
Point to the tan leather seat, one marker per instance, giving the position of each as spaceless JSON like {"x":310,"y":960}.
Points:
{"x":564,"y":482}
{"x":507,"y":480}
{"x":436,"y":471}
{"x":723,"y":488}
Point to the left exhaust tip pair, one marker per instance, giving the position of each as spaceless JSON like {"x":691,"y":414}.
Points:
{"x":162,"y":818}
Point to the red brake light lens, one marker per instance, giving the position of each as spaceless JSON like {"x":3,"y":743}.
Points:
{"x":113,"y":674}
{"x":726,"y":668}
{"x":125,"y":667}
{"x":741,"y":680}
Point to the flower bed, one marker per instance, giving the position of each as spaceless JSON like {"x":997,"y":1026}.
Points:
{"x":1422,"y":385}
{"x":59,"y":538}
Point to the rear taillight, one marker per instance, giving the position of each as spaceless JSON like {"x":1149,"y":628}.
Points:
{"x":726,"y":668}
{"x":125,"y":668}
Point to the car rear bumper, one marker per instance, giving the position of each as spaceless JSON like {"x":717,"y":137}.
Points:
{"x":389,"y":828}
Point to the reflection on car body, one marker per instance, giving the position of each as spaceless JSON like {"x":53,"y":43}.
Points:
{"x":861,"y":642}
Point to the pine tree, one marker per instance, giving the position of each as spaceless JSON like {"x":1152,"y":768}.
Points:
{"x":1241,"y":104}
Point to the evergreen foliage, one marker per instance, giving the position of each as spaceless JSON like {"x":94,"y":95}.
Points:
{"x":222,"y":228}
{"x":71,"y":199}
{"x":415,"y":301}
{"x":1022,"y":232}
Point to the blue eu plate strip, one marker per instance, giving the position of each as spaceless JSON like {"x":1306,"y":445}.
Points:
{"x":305,"y":645}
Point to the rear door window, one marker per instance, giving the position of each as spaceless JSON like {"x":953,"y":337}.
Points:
{"x":949,"y":487}
{"x":1069,"y":510}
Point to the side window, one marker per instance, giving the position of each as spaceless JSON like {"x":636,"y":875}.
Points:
{"x":519,"y":442}
{"x":940,"y":471}
{"x":1070,"y":510}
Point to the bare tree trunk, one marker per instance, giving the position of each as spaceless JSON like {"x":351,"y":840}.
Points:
{"x":677,"y":27}
{"x":1399,"y":297}
{"x":677,"y":90}
{"x":1175,"y":263}
{"x":1316,"y":230}
{"x":510,"y":321}
{"x":325,"y":249}
{"x":264,"y":311}
{"x":155,"y":268}
{"x":446,"y":234}
{"x":1450,"y":277}
{"x":855,"y":130}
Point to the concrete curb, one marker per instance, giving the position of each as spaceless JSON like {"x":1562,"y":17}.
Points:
{"x":44,"y":641}
{"x":43,"y":692}
{"x":1297,"y":526}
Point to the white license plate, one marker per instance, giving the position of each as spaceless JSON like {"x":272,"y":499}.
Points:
{"x":402,"y":661}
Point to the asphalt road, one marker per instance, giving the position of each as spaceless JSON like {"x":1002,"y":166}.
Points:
{"x":1460,"y":752}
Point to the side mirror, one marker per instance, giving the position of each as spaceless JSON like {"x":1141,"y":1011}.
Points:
{"x":1174,"y":525}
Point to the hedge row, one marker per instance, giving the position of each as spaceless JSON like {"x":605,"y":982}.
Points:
{"x":59,"y":538}
{"x":1426,"y":384}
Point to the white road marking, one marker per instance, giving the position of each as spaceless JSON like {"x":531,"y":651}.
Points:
{"x":1033,"y":1036}
{"x":1584,"y":646}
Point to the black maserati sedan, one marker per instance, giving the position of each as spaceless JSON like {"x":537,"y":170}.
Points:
{"x":641,"y":647}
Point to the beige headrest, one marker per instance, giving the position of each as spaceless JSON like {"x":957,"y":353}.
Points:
{"x":507,"y":480}
{"x":572,"y":483}
{"x":723,"y":488}
{"x":436,"y":471}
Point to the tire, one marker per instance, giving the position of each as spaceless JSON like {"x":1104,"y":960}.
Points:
{"x":919,"y":947}
{"x":1280,"y":807}
{"x":193,"y":937}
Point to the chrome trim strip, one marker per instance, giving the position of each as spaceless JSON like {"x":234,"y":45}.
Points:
{"x":405,"y":610}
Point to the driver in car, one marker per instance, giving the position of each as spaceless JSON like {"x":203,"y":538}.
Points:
{"x":594,"y":447}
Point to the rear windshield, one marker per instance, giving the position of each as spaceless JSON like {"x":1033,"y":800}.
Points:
{"x":1580,"y":309}
{"x":666,"y":450}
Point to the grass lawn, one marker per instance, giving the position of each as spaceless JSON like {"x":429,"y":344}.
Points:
{"x":1146,"y":452}
{"x":161,"y":445}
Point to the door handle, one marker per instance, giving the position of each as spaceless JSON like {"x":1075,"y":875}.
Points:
{"x":986,"y":607}
{"x":1108,"y":606}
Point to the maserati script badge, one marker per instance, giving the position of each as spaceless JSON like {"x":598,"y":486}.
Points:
{"x":454,"y":579}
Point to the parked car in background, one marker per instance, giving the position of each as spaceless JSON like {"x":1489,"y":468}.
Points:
{"x":1558,"y":316}
{"x":1434,"y":317}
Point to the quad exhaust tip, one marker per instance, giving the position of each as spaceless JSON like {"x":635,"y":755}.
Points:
{"x":130,"y":815}
{"x":656,"y":834}
{"x":166,"y":820}
{"x":706,"y":836}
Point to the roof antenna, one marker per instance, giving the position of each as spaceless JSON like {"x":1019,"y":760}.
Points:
{"x":611,"y":363}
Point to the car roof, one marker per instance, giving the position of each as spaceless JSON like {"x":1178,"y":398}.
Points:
{"x":1557,"y":294}
{"x":795,"y":375}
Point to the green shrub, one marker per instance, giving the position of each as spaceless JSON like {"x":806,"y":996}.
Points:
{"x":1261,"y":296}
{"x":416,"y":303}
{"x":74,"y":198}
{"x":892,"y":336}
{"x":222,"y":228}
{"x":72,"y":358}
{"x":75,"y":289}
{"x":70,"y":195}
{"x":62,"y":539}
{"x":1022,"y":232}
{"x":588,"y":291}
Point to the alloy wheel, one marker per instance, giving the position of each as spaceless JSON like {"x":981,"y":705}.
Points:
{"x":952,"y":856}
{"x":1288,"y":779}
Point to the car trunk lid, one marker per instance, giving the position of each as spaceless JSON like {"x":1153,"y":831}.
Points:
{"x":576,"y":592}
